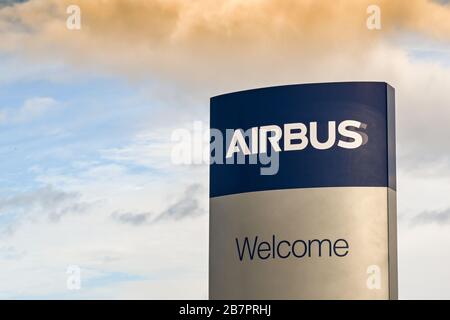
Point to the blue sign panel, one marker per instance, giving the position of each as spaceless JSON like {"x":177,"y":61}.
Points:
{"x":323,"y":135}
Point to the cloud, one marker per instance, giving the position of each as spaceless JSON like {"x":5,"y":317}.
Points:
{"x":168,"y":147}
{"x":429,"y":217}
{"x":4,"y":3}
{"x":195,"y":41}
{"x":188,"y":205}
{"x":43,"y":202}
{"x":31,"y":109}
{"x":149,"y":149}
{"x":132,"y":218}
{"x":112,"y":248}
{"x":11,"y":253}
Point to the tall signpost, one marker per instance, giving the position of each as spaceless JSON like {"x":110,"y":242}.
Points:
{"x":303,"y":193}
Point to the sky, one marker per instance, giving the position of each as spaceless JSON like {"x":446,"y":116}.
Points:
{"x":87,"y":116}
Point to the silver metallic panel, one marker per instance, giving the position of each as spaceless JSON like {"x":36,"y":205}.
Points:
{"x":357,"y":214}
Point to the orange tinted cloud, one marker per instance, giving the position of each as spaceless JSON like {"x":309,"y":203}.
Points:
{"x":193,"y":37}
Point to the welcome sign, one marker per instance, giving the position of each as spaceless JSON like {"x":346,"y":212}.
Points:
{"x":303,"y":193}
